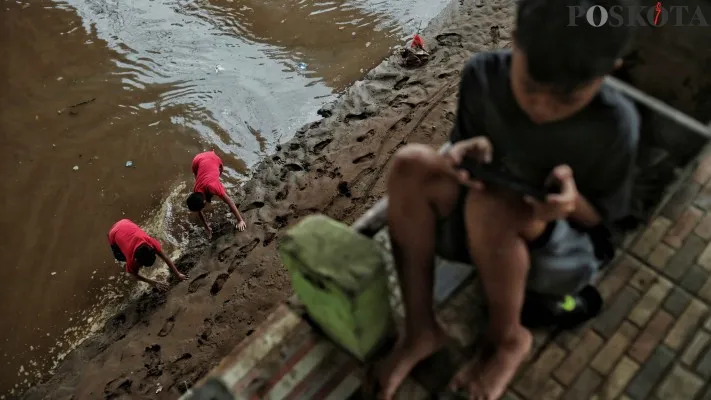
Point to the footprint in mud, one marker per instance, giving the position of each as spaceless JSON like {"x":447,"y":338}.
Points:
{"x":282,"y":194}
{"x":344,"y":190}
{"x":293,"y":167}
{"x":321,"y":145}
{"x":281,"y":221}
{"x":219,"y":283}
{"x":117,"y":388}
{"x":204,"y":336}
{"x":249,"y":246}
{"x":449,"y":39}
{"x":401,"y":83}
{"x":358,"y":117}
{"x":253,"y":206}
{"x":167,"y":327}
{"x":268,"y":238}
{"x":151,"y":360}
{"x":495,"y":35}
{"x":364,"y":158}
{"x":363,"y":137}
{"x":197,"y":283}
{"x":225,"y":254}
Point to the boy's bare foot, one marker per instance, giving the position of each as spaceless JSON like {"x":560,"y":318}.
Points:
{"x":473,"y":367}
{"x":392,"y":371}
{"x":490,"y":380}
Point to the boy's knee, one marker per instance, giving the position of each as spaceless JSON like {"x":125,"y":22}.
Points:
{"x":414,"y":159}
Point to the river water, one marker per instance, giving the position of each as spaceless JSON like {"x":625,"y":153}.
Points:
{"x":89,"y":85}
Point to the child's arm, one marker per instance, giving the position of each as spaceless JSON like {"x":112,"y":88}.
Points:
{"x":584,"y":213}
{"x":205,"y":224}
{"x":241,"y":224}
{"x":172,"y":266}
{"x":158,"y":285}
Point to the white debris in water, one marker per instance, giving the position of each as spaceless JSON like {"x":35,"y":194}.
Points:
{"x":154,"y":124}
{"x":352,"y":33}
{"x":53,"y":273}
{"x":59,"y":79}
{"x":367,"y":44}
{"x":160,"y":388}
{"x":75,"y":168}
{"x":219,"y":68}
{"x":129,"y":163}
{"x":283,"y":20}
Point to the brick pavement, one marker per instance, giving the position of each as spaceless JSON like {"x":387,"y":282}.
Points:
{"x":653,"y":341}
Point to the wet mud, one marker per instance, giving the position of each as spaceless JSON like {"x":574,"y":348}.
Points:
{"x":103,"y":104}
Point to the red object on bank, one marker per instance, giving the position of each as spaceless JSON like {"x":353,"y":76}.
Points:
{"x":417,"y":42}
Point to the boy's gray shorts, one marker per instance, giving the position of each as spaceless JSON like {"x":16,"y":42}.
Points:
{"x":563,"y":260}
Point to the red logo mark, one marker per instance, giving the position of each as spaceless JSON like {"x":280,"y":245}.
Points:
{"x":658,"y":9}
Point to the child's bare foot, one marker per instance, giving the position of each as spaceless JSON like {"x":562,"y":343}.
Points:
{"x":490,"y":380}
{"x":471,"y":368}
{"x":392,"y":371}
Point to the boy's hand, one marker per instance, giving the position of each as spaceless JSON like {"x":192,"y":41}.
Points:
{"x":241,"y":225}
{"x":182,"y":277}
{"x":560,"y":205}
{"x":478,"y":149}
{"x":208,"y":231}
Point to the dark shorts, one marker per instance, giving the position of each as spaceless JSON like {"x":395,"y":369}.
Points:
{"x":563,"y":259}
{"x":118,"y":255}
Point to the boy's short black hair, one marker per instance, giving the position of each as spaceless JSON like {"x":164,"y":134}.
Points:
{"x":145,"y":255}
{"x":196,"y":201}
{"x":562,"y":49}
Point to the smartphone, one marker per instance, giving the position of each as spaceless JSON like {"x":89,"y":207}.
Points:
{"x":489,"y":174}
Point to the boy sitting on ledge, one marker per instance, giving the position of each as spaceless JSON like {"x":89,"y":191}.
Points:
{"x":542,"y":113}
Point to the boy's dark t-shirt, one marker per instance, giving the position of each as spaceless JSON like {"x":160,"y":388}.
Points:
{"x":599,"y":142}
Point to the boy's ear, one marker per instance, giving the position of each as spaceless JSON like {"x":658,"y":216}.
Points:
{"x":618,"y":63}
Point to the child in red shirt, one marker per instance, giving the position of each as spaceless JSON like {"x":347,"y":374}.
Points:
{"x":132,"y":245}
{"x":207,"y":168}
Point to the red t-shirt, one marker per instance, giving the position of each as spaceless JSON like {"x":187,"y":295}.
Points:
{"x":128,"y":236}
{"x":206,"y":168}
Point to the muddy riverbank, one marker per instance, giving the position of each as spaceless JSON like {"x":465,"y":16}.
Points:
{"x":87,"y":86}
{"x":159,"y":345}
{"x":163,"y":343}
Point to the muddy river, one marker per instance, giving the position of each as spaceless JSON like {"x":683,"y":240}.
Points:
{"x":88,"y":87}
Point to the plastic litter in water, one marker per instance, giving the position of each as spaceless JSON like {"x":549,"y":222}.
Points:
{"x":219,"y":68}
{"x":53,"y":273}
{"x":75,"y":168}
{"x":129,"y":164}
{"x":302,"y":66}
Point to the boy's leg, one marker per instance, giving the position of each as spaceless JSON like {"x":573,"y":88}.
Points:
{"x":499,"y":226}
{"x":419,"y":191}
